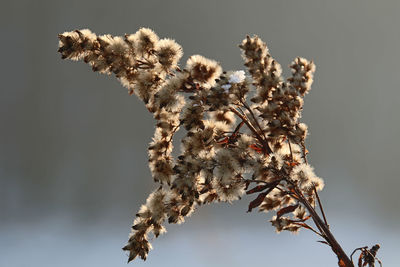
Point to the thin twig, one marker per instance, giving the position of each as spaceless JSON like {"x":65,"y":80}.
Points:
{"x":254,"y":117}
{"x":235,"y":132}
{"x":267,"y":149}
{"x":354,"y":251}
{"x":301,"y":196}
{"x":258,"y":124}
{"x":303,"y":148}
{"x":309,"y":228}
{"x":291,"y":152}
{"x":320,"y":206}
{"x":172,"y":136}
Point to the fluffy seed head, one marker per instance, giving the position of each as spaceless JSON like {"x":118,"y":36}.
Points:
{"x":145,"y":40}
{"x":169,"y":53}
{"x":203,"y":70}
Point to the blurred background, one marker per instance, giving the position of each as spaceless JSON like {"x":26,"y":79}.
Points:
{"x":73,"y":160}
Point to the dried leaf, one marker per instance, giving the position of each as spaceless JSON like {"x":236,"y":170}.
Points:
{"x":286,"y":210}
{"x":246,"y":184}
{"x":257,"y":202}
{"x":258,"y":188}
{"x":260,"y":198}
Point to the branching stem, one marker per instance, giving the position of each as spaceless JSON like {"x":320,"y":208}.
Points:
{"x":253,"y":116}
{"x":337,"y":249}
{"x":266,"y":148}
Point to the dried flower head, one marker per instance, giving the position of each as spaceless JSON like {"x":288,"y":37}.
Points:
{"x":203,"y":70}
{"x":144,"y":40}
{"x":169,"y":53}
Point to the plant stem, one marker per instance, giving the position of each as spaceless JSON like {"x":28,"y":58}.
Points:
{"x":266,"y":148}
{"x":337,"y":249}
{"x":320,"y":206}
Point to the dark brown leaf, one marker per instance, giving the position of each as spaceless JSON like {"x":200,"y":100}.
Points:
{"x":257,"y":202}
{"x":246,"y":183}
{"x":286,"y":210}
{"x":258,"y":188}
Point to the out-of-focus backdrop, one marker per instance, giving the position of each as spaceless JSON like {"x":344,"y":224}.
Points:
{"x":73,"y":162}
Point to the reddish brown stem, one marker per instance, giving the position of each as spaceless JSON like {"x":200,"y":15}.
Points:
{"x":337,"y":249}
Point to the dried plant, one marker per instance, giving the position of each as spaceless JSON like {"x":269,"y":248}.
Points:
{"x":230,"y":143}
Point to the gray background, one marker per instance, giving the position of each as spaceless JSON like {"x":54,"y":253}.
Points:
{"x":73,"y":166}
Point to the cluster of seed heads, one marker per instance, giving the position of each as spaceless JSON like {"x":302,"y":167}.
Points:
{"x":241,"y":128}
